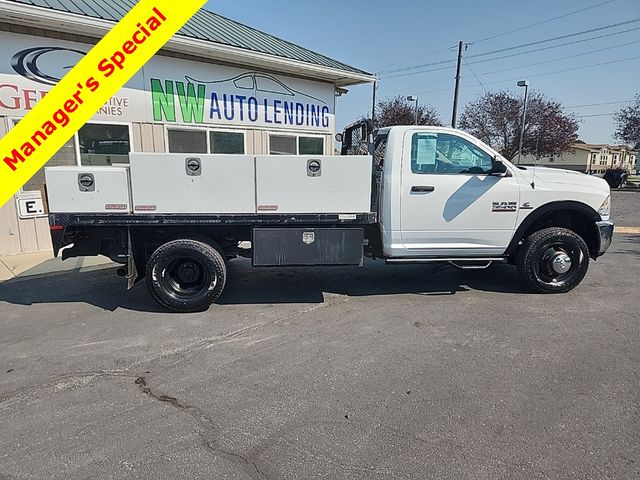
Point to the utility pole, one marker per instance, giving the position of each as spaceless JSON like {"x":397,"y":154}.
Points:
{"x":457,"y":91}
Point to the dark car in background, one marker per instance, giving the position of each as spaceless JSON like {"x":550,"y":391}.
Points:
{"x":616,"y":177}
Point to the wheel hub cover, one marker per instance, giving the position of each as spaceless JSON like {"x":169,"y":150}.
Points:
{"x":561,"y":263}
{"x":188,"y":272}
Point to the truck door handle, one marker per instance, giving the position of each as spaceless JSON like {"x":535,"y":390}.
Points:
{"x":423,"y":188}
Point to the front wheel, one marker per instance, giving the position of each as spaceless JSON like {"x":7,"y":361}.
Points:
{"x":553,"y":260}
{"x":186,"y":275}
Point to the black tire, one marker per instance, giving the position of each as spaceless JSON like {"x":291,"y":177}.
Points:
{"x":186,"y":275}
{"x":542,"y":260}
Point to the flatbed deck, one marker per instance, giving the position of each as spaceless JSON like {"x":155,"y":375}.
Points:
{"x":131,"y":220}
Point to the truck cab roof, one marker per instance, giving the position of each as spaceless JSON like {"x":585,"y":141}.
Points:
{"x":402,"y":128}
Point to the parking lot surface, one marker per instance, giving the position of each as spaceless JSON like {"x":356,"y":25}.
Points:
{"x":347,"y":373}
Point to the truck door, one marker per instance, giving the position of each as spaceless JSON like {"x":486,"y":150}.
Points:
{"x":450,"y":203}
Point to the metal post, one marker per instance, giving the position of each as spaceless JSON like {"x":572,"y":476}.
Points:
{"x":457,"y":90}
{"x":413,"y":98}
{"x":373,"y":105}
{"x":525,"y":84}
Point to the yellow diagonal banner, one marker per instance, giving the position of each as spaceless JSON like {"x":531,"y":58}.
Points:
{"x":87,"y":87}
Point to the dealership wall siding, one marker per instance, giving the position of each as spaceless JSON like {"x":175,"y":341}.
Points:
{"x":20,"y":235}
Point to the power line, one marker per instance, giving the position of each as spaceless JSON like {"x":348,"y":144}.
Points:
{"x":599,"y":104}
{"x":474,"y":74}
{"x":541,"y":74}
{"x":542,"y":22}
{"x":355,"y":101}
{"x":592,"y":30}
{"x":415,"y":58}
{"x":597,"y":115}
{"x":562,"y":58}
{"x":518,"y":53}
{"x":561,"y":37}
{"x":541,"y":49}
{"x":568,"y":14}
{"x":413,"y":67}
{"x":582,"y":67}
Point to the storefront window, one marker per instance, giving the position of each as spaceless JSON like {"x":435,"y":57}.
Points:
{"x":292,"y":145}
{"x":65,"y":156}
{"x":310,"y":146}
{"x":281,"y":145}
{"x":187,"y":141}
{"x":226,"y":142}
{"x":104,"y":144}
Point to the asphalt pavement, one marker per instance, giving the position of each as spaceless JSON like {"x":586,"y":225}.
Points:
{"x":408,"y":372}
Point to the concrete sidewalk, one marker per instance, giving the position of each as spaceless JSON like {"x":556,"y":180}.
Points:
{"x":42,"y":263}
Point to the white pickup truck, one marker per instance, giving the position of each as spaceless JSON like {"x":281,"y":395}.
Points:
{"x":426,"y":194}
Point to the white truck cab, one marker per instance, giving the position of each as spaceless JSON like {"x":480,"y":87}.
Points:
{"x":426,"y":194}
{"x":442,"y":196}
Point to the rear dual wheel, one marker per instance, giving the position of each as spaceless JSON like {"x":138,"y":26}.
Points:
{"x":186,"y":275}
{"x":553,"y":260}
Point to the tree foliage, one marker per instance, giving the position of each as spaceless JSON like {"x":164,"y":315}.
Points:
{"x":399,"y":111}
{"x":495,"y":118}
{"x":628,"y":123}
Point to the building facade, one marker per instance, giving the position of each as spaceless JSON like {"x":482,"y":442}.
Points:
{"x":590,"y":158}
{"x":216,"y":87}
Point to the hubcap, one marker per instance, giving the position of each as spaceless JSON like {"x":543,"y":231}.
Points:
{"x":187,"y":278}
{"x":558,"y":263}
{"x":188,"y":272}
{"x":561,"y":262}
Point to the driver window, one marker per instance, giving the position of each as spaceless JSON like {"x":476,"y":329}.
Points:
{"x":443,"y":153}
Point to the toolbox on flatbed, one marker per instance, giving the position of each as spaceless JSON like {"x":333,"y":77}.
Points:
{"x":178,"y":184}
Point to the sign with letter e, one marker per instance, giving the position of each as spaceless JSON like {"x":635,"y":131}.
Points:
{"x":30,"y":207}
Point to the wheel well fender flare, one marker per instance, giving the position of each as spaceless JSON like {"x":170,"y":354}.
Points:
{"x":543,"y":210}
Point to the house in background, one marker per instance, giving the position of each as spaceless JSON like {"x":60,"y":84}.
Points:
{"x":590,"y":158}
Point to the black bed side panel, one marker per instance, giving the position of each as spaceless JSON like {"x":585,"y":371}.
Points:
{"x":307,"y":246}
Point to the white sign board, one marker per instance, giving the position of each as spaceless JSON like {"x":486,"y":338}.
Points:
{"x":30,"y":207}
{"x":168,"y":90}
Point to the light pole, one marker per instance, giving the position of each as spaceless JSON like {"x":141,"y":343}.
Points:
{"x":525,"y":84}
{"x":412,"y":98}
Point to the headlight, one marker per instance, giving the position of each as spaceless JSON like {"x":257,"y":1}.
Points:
{"x":605,"y":208}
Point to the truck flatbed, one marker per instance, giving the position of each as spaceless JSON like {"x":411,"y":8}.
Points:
{"x":136,"y":220}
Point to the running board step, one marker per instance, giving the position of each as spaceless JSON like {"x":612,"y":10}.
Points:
{"x":485,"y":261}
{"x":483,"y":266}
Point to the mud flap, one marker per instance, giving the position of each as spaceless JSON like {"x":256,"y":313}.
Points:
{"x":132,"y":269}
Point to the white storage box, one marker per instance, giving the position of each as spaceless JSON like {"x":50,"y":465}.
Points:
{"x":192,"y":183}
{"x":313,"y":184}
{"x":88,"y":189}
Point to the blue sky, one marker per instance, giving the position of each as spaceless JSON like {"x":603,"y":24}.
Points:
{"x":379,"y":36}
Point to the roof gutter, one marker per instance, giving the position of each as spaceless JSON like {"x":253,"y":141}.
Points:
{"x":45,"y":18}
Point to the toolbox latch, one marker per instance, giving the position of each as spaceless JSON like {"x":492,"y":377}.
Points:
{"x":193,"y":166}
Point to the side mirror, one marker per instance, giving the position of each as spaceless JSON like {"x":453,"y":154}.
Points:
{"x":497,"y":167}
{"x":339,"y":137}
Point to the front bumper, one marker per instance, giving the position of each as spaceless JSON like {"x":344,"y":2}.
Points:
{"x":605,"y":229}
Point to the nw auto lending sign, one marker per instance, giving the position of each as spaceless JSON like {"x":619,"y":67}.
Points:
{"x":168,"y":90}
